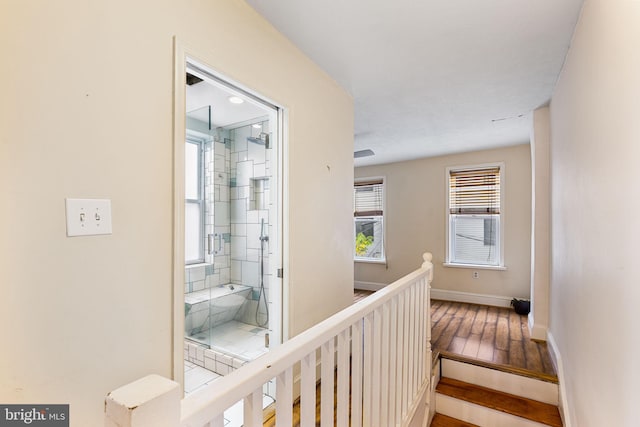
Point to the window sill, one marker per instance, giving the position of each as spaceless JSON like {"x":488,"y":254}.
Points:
{"x":475,"y":266}
{"x":370,"y":261}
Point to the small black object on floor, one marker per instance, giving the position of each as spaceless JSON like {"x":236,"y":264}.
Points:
{"x":521,"y":306}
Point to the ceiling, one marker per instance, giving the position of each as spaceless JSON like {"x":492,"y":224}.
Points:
{"x":223,"y":112}
{"x":433,"y":77}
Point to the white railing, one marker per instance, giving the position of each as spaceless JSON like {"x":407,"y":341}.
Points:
{"x":379,"y":356}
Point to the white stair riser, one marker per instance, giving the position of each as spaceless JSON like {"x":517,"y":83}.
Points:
{"x":435,"y":379}
{"x":479,"y":415}
{"x":518,"y":385}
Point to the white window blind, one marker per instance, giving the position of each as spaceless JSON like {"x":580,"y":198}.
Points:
{"x":474,"y":235}
{"x":194,"y":202}
{"x":474,"y":191}
{"x":367,"y":198}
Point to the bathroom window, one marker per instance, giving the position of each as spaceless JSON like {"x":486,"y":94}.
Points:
{"x":368,"y":220}
{"x":475,"y":216}
{"x":194,"y":202}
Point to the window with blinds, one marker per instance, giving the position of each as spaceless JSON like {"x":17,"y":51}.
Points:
{"x":475,"y":216}
{"x":475,"y":191}
{"x":368,"y":201}
{"x":194,"y":202}
{"x":367,"y":198}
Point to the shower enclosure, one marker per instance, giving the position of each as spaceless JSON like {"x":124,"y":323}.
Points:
{"x":229,"y":175}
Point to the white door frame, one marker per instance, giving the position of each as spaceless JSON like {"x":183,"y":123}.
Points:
{"x":278,"y":246}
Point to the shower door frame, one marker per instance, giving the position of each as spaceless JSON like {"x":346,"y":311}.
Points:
{"x":183,"y":58}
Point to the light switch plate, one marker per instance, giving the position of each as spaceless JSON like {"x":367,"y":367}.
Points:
{"x":88,"y":217}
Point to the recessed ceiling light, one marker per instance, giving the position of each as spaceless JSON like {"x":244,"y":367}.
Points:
{"x":235,"y":100}
{"x":257,"y":126}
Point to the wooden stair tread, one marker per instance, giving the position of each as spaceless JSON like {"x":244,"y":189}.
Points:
{"x":440,"y":420}
{"x":499,"y":367}
{"x":500,"y":401}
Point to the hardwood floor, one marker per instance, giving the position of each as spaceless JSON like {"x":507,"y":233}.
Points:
{"x":491,"y":334}
{"x":359,"y":294}
{"x":495,"y":335}
{"x":440,"y":420}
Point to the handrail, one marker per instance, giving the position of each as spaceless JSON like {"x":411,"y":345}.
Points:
{"x":370,"y":323}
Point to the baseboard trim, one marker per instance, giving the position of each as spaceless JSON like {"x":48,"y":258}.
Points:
{"x":368,"y":286}
{"x":536,"y":332}
{"x":556,"y":359}
{"x":483,"y":299}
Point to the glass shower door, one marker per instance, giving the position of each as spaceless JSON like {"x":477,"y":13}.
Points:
{"x":199,"y":214}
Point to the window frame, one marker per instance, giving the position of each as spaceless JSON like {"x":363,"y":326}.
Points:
{"x":381,"y":218}
{"x":200,"y":202}
{"x":449,"y":246}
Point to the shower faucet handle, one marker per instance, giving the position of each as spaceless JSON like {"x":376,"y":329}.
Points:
{"x":211,"y":243}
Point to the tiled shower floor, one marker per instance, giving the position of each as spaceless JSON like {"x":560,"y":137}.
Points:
{"x":239,"y":339}
{"x":196,"y":377}
{"x":235,"y":339}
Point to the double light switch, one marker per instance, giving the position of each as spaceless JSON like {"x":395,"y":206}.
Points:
{"x":88,"y":217}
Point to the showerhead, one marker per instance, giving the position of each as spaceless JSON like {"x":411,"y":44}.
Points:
{"x":262,"y":139}
{"x":256,"y":140}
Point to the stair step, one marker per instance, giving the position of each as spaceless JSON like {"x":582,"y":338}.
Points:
{"x":440,"y":420}
{"x":499,"y":367}
{"x":533,"y":410}
{"x":497,"y":379}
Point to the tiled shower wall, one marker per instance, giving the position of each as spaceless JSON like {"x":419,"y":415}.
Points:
{"x":249,"y":185}
{"x":237,"y":189}
{"x":216,"y":270}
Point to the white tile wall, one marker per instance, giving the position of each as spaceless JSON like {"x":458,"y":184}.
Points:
{"x":253,"y":236}
{"x":233,"y":214}
{"x":225,"y":275}
{"x":196,"y":273}
{"x":244,"y":173}
{"x":253,"y":255}
{"x":238,"y":247}
{"x":250,"y":273}
{"x":239,"y":229}
{"x":252,"y":217}
{"x":236,"y":271}
{"x":238,"y":211}
{"x":222,"y":213}
{"x":257,"y":153}
{"x":259,"y":169}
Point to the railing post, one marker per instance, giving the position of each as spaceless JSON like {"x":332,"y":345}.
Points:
{"x":149,"y":401}
{"x":426,"y":264}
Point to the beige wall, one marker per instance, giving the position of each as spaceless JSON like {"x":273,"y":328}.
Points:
{"x":415,"y":217}
{"x":540,"y":224}
{"x":595,"y":134}
{"x":86,"y":111}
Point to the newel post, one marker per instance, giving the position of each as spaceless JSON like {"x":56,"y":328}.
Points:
{"x":427,"y":265}
{"x":431,"y":375}
{"x":149,"y":401}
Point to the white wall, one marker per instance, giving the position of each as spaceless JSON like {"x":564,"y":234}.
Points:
{"x":540,"y":224}
{"x":86,"y":111}
{"x":415,"y":217}
{"x":595,"y":134}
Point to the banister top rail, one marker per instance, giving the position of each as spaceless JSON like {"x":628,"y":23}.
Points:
{"x":212,"y":400}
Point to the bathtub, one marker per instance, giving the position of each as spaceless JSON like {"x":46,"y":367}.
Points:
{"x":208,"y":308}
